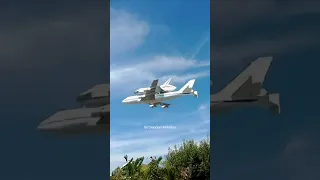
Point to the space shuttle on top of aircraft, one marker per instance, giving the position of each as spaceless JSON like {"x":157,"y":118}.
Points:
{"x":153,"y":96}
{"x":247,"y":90}
{"x":92,"y":117}
{"x":165,"y":87}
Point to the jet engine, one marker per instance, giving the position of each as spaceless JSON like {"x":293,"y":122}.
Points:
{"x":152,"y":106}
{"x":164,"y":106}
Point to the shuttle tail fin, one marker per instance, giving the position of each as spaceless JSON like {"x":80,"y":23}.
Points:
{"x":167,"y":82}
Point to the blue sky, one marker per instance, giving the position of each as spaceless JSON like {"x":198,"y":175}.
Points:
{"x":156,"y":40}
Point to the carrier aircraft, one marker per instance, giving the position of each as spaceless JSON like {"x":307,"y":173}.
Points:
{"x":247,"y":90}
{"x":92,"y":117}
{"x":153,"y":96}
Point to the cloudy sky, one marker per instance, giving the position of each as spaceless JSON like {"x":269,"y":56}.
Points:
{"x":252,"y":144}
{"x":50,"y":53}
{"x":157,"y":40}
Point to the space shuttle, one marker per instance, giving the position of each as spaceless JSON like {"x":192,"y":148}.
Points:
{"x":165,"y":87}
{"x":247,"y":89}
{"x":92,"y":117}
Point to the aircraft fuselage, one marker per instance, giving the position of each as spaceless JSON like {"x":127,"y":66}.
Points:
{"x":158,"y":98}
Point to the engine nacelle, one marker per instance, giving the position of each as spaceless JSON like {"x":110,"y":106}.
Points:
{"x":164,"y":106}
{"x":152,"y":106}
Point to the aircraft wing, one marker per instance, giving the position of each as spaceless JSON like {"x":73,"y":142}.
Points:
{"x":165,"y":104}
{"x":150,"y":94}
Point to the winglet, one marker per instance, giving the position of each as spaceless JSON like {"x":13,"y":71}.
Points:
{"x":274,"y":100}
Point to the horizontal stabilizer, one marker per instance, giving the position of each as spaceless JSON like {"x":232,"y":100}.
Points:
{"x":274,"y":100}
{"x":195,"y":94}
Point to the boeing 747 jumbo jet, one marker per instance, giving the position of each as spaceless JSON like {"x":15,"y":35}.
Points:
{"x":165,"y":87}
{"x":154,"y":98}
{"x":247,"y":89}
{"x":93,"y":117}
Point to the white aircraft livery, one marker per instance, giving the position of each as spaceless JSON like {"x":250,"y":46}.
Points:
{"x":154,"y":98}
{"x":165,"y":87}
{"x":247,"y":89}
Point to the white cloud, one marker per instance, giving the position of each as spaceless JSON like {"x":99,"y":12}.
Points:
{"x":148,"y":143}
{"x":140,"y":74}
{"x":185,"y":77}
{"x":127,"y":33}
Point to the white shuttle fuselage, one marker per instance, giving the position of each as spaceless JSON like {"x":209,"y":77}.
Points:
{"x":165,"y":87}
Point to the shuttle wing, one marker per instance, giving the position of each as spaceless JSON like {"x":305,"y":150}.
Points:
{"x":150,"y":94}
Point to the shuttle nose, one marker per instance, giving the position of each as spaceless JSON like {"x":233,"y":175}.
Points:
{"x":47,"y":125}
{"x":43,"y":127}
{"x":126,"y":101}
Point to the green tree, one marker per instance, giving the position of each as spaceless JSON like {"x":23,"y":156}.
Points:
{"x":133,"y":170}
{"x":169,"y":173}
{"x":154,"y":171}
{"x":191,"y":159}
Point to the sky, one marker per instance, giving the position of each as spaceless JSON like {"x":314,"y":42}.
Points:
{"x":50,"y":53}
{"x":252,"y":144}
{"x":157,"y":40}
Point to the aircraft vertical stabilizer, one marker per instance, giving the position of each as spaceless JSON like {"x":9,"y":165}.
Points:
{"x":187,"y":88}
{"x":251,"y":78}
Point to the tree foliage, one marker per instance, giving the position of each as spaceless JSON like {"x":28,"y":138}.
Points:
{"x":190,"y":161}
